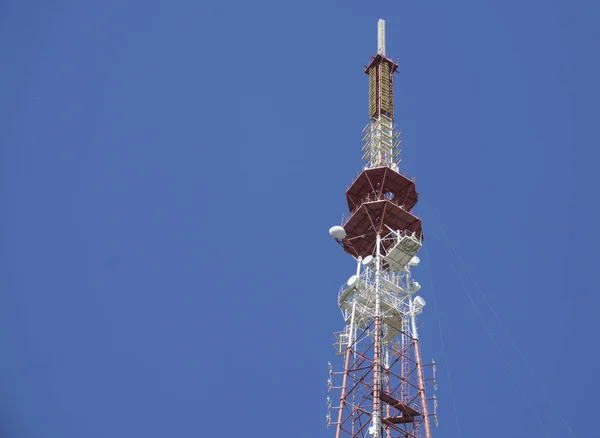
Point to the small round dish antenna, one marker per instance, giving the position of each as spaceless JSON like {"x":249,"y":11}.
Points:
{"x":337,"y":232}
{"x":352,"y":280}
{"x":414,"y":261}
{"x":368,"y":260}
{"x":419,"y":302}
{"x":414,"y":287}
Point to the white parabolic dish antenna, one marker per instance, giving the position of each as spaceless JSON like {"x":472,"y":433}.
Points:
{"x":352,"y":280}
{"x":414,"y":261}
{"x":368,"y":260}
{"x":337,"y":232}
{"x":419,"y":302}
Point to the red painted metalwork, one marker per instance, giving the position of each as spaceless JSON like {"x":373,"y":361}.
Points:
{"x":372,"y":218}
{"x":382,"y":183}
{"x":405,"y":409}
{"x":378,"y":59}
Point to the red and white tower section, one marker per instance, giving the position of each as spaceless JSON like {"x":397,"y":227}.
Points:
{"x":380,"y":388}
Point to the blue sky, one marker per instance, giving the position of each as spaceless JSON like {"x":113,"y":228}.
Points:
{"x":169,"y":171}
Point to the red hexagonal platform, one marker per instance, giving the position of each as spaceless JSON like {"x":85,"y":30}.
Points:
{"x":380,"y":200}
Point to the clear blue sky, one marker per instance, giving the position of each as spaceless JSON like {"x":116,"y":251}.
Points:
{"x":169,"y":171}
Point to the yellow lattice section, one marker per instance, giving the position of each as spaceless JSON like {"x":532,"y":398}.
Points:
{"x":390,"y":82}
{"x":373,"y":92}
{"x":381,"y":89}
{"x":386,"y":93}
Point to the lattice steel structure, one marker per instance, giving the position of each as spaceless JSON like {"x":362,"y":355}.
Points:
{"x":381,"y":391}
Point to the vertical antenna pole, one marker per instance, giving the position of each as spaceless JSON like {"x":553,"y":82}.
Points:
{"x":377,"y":346}
{"x":419,"y":366}
{"x":381,"y":37}
{"x":339,"y":425}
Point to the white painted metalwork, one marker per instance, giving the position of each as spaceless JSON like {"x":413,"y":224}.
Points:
{"x":384,"y":287}
{"x":381,"y":144}
{"x":378,"y":290}
{"x":375,"y":290}
{"x":405,"y":248}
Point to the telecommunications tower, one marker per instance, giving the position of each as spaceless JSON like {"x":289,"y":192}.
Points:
{"x":380,"y":390}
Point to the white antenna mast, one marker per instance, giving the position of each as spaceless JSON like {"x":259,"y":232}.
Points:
{"x":381,"y":37}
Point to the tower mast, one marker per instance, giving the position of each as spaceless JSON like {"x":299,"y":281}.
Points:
{"x":381,"y":390}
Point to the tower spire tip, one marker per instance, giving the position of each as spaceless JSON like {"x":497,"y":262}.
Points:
{"x":381,"y":37}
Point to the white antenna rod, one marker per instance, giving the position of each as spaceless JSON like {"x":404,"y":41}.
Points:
{"x":381,"y":37}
